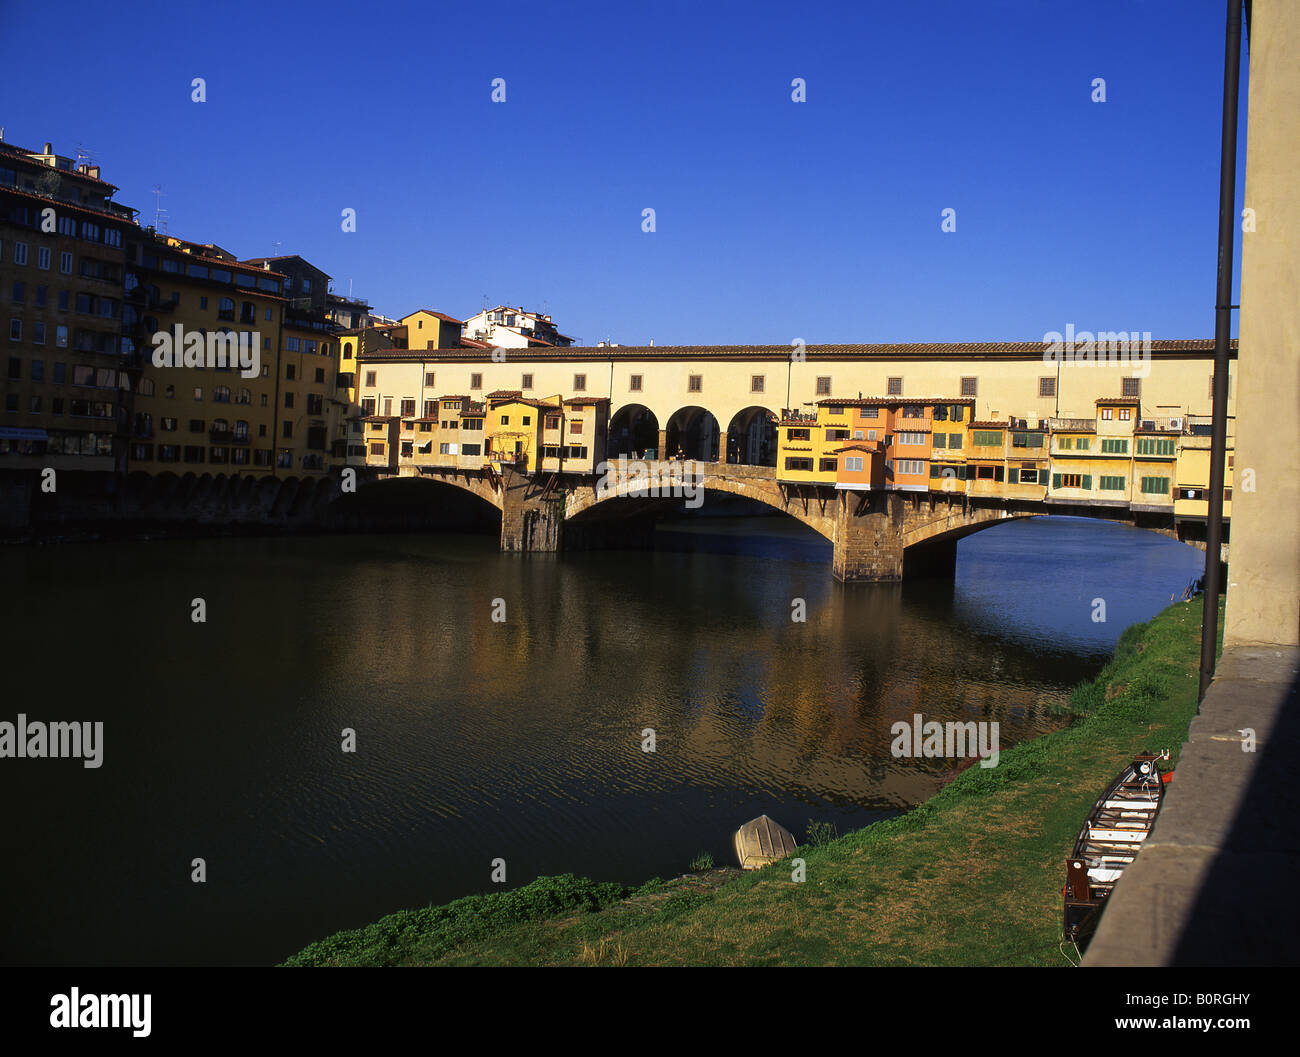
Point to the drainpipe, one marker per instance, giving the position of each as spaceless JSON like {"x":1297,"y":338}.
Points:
{"x":1222,"y":331}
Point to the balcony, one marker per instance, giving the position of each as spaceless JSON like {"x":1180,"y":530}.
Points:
{"x":226,"y":437}
{"x":1059,"y":425}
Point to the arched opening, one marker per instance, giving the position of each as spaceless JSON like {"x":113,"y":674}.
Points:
{"x":692,"y":433}
{"x":633,"y":431}
{"x":751,"y":437}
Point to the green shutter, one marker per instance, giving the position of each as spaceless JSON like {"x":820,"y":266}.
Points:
{"x":1013,"y":476}
{"x":1087,"y":481}
{"x":1056,"y":481}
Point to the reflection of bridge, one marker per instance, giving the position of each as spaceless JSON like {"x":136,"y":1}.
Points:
{"x":877,"y":535}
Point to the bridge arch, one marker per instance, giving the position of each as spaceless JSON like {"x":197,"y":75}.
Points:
{"x":751,"y":437}
{"x":633,"y":430}
{"x":465,"y":481}
{"x":586,"y":503}
{"x":692,"y":430}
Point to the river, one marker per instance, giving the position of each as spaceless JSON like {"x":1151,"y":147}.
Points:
{"x":479,"y":739}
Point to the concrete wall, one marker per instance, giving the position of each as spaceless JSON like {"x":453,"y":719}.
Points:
{"x":1263,"y":604}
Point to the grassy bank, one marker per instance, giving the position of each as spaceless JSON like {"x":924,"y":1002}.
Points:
{"x":971,"y":877}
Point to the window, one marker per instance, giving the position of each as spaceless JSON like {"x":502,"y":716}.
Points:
{"x":895,"y":387}
{"x":1131,"y":387}
{"x":1154,"y":446}
{"x":1026,"y":440}
{"x":65,"y":262}
{"x":824,"y":386}
{"x":38,"y":332}
{"x":695,"y":384}
{"x":1125,"y":414}
{"x":970,"y":387}
{"x":756,"y":382}
{"x":955,"y":441}
{"x":43,"y":258}
{"x":853,"y":463}
{"x":20,"y":253}
{"x":552,"y":421}
{"x":289,"y":372}
{"x":476,"y":381}
{"x":574,"y":427}
{"x":634,"y":383}
{"x":15,"y":330}
{"x":1028,"y":476}
{"x":792,"y":463}
{"x":914,"y":467}
{"x":526,"y":382}
{"x":1082,"y":443}
{"x":370,"y":379}
{"x":913,"y":411}
{"x":408,"y":407}
{"x":1067,"y":480}
{"x":987,"y":438}
{"x":1155,"y":485}
{"x":579,"y":383}
{"x":1112,"y":484}
{"x":1114,"y":446}
{"x":287,"y":432}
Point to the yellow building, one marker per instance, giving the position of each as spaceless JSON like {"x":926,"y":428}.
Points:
{"x":1192,"y":470}
{"x":207,"y":417}
{"x":514,"y":427}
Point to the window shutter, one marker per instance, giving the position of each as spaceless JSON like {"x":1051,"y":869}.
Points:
{"x":1013,"y":477}
{"x":1087,"y":480}
{"x":1056,"y":481}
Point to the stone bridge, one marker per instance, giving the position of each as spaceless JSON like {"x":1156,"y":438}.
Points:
{"x":876,"y":536}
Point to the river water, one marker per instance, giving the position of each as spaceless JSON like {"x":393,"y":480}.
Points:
{"x":479,"y":739}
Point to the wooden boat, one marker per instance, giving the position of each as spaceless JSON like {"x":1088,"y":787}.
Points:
{"x":1111,"y":837}
{"x":761,"y":841}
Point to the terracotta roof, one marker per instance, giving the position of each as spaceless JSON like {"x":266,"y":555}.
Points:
{"x":859,"y":446}
{"x":1132,"y":401}
{"x":578,"y":401}
{"x":989,"y":424}
{"x":439,"y":315}
{"x":504,"y":394}
{"x":1004,"y":350}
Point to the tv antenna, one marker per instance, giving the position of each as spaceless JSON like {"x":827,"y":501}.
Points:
{"x":158,"y":210}
{"x":85,"y":156}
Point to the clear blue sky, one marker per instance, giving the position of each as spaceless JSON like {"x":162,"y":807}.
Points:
{"x":775,"y":220}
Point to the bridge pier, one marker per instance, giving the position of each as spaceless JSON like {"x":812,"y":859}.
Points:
{"x":529,"y":523}
{"x":868,"y":537}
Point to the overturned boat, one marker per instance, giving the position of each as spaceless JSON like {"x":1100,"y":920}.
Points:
{"x":1111,"y":837}
{"x":761,"y":841}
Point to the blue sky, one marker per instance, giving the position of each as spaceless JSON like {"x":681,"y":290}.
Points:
{"x":775,"y":220}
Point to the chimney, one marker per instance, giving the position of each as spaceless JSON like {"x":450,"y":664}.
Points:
{"x":49,"y":148}
{"x":94,"y":171}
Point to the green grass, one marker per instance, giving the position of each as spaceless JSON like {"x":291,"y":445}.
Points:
{"x":972,"y":876}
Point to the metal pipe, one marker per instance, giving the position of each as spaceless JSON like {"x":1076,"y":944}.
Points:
{"x":1222,"y":336}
